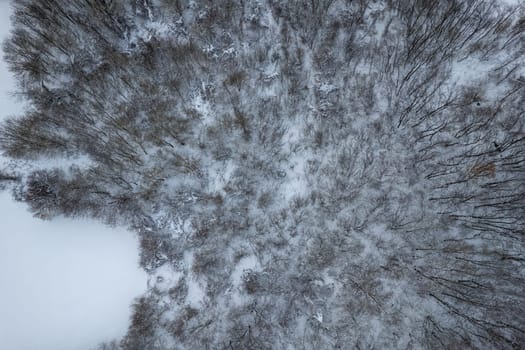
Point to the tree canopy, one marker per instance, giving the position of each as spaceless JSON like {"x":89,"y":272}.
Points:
{"x":322,"y":174}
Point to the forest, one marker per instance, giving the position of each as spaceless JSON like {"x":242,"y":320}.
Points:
{"x":321,"y":174}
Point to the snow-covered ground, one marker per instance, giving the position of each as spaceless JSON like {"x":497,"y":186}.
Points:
{"x":64,"y":284}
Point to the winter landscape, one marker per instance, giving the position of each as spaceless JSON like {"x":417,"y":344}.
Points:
{"x":323,"y":174}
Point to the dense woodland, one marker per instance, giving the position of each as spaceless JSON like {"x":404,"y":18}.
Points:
{"x":323,"y":174}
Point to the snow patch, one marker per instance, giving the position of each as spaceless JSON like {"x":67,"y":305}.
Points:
{"x":326,"y":88}
{"x":469,"y":70}
{"x":203,"y":107}
{"x":196,"y":293}
{"x":220,"y":175}
{"x":164,"y":278}
{"x":196,"y":289}
{"x":296,"y":184}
